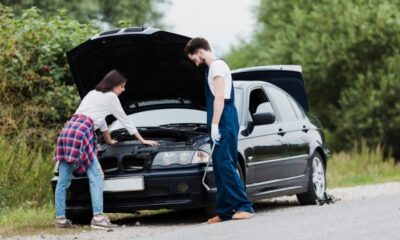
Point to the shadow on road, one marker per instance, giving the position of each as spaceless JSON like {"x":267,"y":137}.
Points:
{"x":194,"y":216}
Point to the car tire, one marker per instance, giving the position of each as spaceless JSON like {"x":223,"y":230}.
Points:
{"x":79,"y":217}
{"x":240,"y":170}
{"x":316,"y":189}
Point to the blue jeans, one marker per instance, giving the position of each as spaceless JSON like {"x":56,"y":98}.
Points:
{"x":95,"y":175}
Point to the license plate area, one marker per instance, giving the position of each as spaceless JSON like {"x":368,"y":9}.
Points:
{"x":124,"y":184}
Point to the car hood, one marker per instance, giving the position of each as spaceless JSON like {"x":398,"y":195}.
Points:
{"x":152,"y":60}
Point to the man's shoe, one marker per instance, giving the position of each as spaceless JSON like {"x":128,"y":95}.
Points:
{"x":215,"y":219}
{"x":63,"y":223}
{"x":242,"y":215}
{"x":102,"y":223}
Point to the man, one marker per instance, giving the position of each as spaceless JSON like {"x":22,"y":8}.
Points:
{"x":222,"y":121}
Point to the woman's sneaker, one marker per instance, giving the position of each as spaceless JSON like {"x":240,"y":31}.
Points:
{"x":63,"y":223}
{"x":102,"y":223}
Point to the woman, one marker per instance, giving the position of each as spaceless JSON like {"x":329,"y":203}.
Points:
{"x":76,"y":146}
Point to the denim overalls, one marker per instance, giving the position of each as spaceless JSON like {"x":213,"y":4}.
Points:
{"x":231,"y":195}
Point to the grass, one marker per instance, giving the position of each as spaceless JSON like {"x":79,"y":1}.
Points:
{"x":361,"y":166}
{"x":26,"y":209}
{"x":28,"y":221}
{"x":40,"y":220}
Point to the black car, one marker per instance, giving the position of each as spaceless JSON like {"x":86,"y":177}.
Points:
{"x":281,"y":150}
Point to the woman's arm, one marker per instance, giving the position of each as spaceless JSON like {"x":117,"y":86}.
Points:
{"x":108,"y":139}
{"x":118,"y":112}
{"x":144,"y":141}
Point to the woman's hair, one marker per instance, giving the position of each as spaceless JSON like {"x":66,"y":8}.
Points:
{"x":112,"y":79}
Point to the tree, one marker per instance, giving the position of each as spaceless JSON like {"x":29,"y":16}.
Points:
{"x":37,"y":93}
{"x":349,"y":51}
{"x":137,"y":12}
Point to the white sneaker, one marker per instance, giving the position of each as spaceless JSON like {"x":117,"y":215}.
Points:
{"x":102,"y":223}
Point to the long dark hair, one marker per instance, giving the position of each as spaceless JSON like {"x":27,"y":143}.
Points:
{"x":112,"y":79}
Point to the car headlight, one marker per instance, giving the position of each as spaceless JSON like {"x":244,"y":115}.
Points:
{"x":180,"y":158}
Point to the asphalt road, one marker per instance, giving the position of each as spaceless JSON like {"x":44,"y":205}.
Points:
{"x":369,"y":212}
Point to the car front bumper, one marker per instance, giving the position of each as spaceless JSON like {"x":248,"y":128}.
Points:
{"x":171,"y":189}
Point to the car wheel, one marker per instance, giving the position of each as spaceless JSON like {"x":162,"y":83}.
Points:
{"x":316,"y":182}
{"x":79,"y":217}
{"x":240,"y":170}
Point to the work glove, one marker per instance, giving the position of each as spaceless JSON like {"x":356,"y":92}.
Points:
{"x":215,"y":135}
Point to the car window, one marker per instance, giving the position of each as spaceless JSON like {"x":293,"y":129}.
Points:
{"x":282,"y":103}
{"x":297,"y":109}
{"x":238,"y":100}
{"x":257,"y":97}
{"x":264,"y":108}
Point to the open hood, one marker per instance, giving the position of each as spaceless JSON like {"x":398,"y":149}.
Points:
{"x":153,"y":61}
{"x":286,"y":77}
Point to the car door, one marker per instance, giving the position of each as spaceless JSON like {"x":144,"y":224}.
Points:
{"x":298,"y":146}
{"x":290,"y":79}
{"x":268,"y":141}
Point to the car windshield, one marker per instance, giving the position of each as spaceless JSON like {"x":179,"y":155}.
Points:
{"x":157,"y":117}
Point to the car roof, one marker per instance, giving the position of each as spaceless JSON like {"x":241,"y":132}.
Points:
{"x":294,"y":68}
{"x":248,"y":84}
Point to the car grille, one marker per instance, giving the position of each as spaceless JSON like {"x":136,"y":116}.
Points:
{"x":109,"y":164}
{"x":110,"y":32}
{"x":135,"y":29}
{"x":136,"y":162}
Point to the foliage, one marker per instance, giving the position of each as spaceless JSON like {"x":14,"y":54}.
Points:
{"x":138,"y":12}
{"x":349,"y":51}
{"x":361,"y":166}
{"x":23,"y":220}
{"x":37,"y":92}
{"x":25,"y":174}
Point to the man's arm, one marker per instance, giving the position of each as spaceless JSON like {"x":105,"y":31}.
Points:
{"x":219,"y":98}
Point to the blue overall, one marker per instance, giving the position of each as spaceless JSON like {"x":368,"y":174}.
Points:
{"x":231,"y":195}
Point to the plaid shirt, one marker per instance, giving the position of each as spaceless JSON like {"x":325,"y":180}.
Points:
{"x":77,"y":143}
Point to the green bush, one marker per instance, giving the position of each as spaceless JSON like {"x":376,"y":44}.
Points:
{"x":349,"y":51}
{"x":25,"y":174}
{"x":37,"y":93}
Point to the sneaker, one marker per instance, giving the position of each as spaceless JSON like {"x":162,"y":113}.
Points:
{"x":103,"y":223}
{"x":63,"y":223}
{"x":242,"y":215}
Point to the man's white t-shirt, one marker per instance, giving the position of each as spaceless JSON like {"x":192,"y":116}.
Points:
{"x":220,"y":68}
{"x":97,"y":105}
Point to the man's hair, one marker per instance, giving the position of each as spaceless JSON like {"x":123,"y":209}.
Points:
{"x":110,"y":80}
{"x":195,"y":44}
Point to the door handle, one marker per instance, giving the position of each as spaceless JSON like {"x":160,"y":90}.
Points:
{"x":281,"y":133}
{"x":305,"y":129}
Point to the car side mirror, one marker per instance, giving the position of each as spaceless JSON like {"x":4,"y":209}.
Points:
{"x":263,"y":118}
{"x":249,"y":129}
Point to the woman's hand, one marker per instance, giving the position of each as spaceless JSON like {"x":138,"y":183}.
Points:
{"x":144,"y":141}
{"x":112,"y":141}
{"x":150,"y":142}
